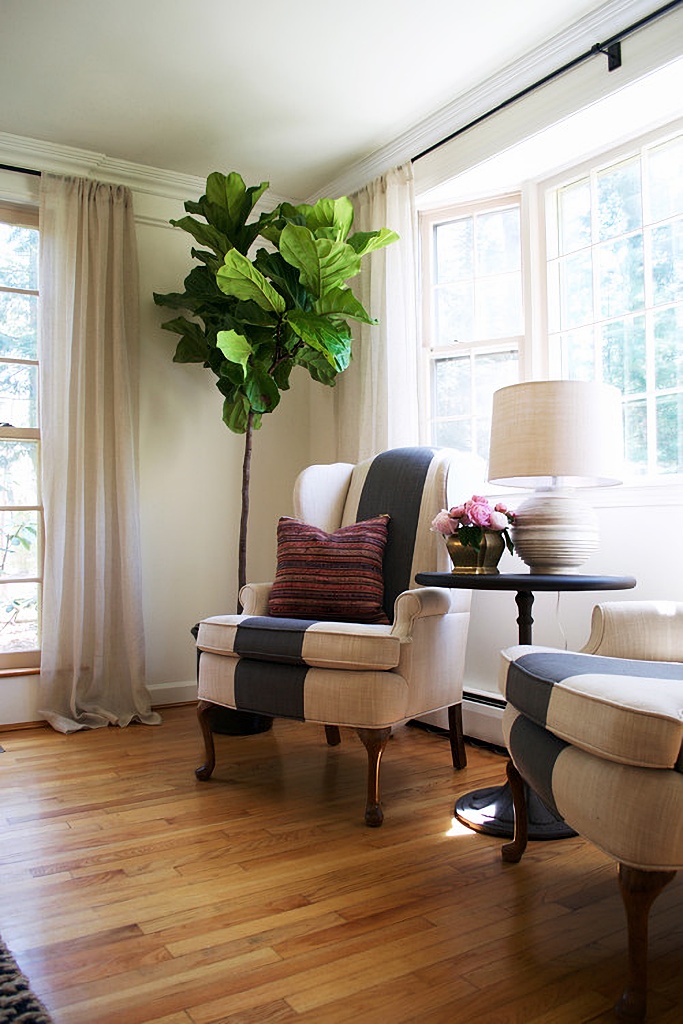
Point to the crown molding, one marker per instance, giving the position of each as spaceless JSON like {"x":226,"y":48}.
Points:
{"x":608,"y":20}
{"x":53,"y":158}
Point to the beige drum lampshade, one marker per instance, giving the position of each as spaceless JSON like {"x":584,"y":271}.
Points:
{"x":554,"y":436}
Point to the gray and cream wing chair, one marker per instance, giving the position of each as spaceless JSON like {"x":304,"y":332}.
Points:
{"x":343,"y":636}
{"x":599,"y":736}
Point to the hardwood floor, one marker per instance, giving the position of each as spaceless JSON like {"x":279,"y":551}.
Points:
{"x":133,"y":894}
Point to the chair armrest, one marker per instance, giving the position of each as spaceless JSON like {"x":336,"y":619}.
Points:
{"x":418,"y":604}
{"x":254,"y":598}
{"x":645,"y":630}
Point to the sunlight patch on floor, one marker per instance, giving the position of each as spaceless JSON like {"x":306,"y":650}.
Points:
{"x":458,"y":829}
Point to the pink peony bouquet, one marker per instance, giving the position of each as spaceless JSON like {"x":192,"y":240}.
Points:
{"x":471,"y":519}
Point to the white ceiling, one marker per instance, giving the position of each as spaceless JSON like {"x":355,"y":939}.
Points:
{"x":290,"y":91}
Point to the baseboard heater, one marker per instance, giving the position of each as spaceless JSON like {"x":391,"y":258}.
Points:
{"x":482,"y":714}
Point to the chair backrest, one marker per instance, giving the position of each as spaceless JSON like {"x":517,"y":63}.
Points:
{"x":410,"y":485}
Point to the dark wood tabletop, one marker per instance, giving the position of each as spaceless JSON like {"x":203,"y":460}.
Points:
{"x":523,"y":581}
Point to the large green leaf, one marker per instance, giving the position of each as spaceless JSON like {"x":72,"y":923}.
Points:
{"x":328,"y":215}
{"x":239,"y":277}
{"x":262,"y":391}
{"x":332,"y":339}
{"x":284,"y":276}
{"x":174,"y":300}
{"x":322,"y":263}
{"x":229,"y":193}
{"x":363,"y":242}
{"x":212,"y":261}
{"x":205,"y":234}
{"x":236,"y":413}
{"x":191,"y":350}
{"x":253,"y":314}
{"x":317,"y":365}
{"x":235,"y":348}
{"x":192,"y":347}
{"x":343,"y":302}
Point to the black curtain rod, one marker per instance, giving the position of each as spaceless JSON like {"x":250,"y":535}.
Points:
{"x":20,"y":170}
{"x":611,"y":48}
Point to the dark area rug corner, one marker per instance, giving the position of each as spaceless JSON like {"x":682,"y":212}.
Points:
{"x":18,"y":1004}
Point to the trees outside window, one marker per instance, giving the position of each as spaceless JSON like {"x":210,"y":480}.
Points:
{"x":615,"y":288}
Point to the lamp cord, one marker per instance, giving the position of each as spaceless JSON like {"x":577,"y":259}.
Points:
{"x":559,"y":622}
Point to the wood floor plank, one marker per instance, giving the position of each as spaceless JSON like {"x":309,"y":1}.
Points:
{"x":131,"y":893}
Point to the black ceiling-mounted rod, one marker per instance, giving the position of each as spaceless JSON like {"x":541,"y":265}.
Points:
{"x":20,"y":170}
{"x":611,"y":48}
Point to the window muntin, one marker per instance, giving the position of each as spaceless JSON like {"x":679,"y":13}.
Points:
{"x":615,"y":294}
{"x":21,"y":522}
{"x":473,"y":315}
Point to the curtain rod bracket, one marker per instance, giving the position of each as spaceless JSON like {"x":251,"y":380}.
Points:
{"x":613,"y":53}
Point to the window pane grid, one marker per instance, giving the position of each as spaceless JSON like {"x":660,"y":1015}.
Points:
{"x":473,"y":316}
{"x":615,"y":286}
{"x":21,"y":514}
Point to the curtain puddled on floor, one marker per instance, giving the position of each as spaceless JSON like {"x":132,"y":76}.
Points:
{"x":92,"y":664}
{"x":377,"y":397}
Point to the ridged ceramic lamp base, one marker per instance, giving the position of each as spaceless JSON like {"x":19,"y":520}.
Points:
{"x":554,"y":532}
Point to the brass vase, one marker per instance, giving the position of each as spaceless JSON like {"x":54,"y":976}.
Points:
{"x":467,"y":559}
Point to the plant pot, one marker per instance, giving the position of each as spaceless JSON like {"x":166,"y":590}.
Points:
{"x":467,"y":559}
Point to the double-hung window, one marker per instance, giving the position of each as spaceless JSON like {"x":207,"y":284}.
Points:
{"x":472,"y":315}
{"x":21,"y":524}
{"x":609,"y":234}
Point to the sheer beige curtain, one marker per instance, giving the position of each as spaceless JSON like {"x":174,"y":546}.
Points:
{"x":376,"y":400}
{"x":92,"y":665}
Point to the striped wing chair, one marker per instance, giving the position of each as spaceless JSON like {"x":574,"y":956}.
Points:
{"x":599,"y":736}
{"x":329,"y":643}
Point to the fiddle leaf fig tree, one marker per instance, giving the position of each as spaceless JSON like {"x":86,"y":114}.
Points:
{"x":251,"y":318}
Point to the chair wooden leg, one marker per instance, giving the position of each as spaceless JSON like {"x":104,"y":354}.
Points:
{"x":374,"y":741}
{"x":203,"y":714}
{"x":456,"y":736}
{"x":639,"y":890}
{"x":512,"y":852}
{"x":332,"y":735}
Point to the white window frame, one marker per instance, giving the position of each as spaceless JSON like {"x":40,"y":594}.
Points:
{"x":19,"y":662}
{"x":543,"y":188}
{"x":536,"y":362}
{"x":430,"y":353}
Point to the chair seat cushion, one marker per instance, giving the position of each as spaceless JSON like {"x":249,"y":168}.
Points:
{"x":634,"y":815}
{"x":622,"y":710}
{"x":331,"y":576}
{"x":340,"y":645}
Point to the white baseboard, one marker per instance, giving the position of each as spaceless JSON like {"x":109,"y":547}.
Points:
{"x":173,"y":693}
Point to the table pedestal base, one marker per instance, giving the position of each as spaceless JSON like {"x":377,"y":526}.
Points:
{"x":490,"y":811}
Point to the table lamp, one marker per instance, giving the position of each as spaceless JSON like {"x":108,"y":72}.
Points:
{"x":554,"y":436}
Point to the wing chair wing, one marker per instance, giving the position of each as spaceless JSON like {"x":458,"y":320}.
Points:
{"x":368,"y":676}
{"x":598,"y":735}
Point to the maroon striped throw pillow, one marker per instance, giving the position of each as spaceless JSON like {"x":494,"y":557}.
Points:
{"x":330,"y":576}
